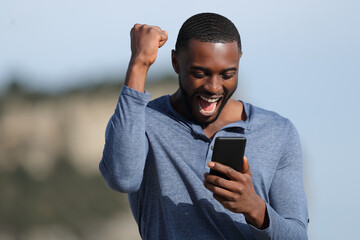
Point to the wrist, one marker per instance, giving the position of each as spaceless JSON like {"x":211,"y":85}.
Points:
{"x":136,"y":75}
{"x":140,"y":61}
{"x":258,"y":216}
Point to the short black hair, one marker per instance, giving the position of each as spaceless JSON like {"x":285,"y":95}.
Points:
{"x":207,"y":27}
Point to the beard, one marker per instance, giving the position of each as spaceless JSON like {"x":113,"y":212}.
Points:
{"x":190,"y":108}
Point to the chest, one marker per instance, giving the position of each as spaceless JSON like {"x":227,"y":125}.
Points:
{"x":176,"y":151}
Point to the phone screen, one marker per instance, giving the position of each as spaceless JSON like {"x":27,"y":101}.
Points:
{"x":229,"y":151}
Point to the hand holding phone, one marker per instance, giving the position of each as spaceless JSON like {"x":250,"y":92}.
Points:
{"x":230,"y":152}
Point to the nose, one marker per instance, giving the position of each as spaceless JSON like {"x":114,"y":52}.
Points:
{"x":213,"y":85}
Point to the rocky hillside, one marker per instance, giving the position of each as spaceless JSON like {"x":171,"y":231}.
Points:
{"x":50,"y":148}
{"x":38,"y":129}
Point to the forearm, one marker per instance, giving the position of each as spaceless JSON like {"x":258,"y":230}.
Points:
{"x":125,"y":148}
{"x":136,"y":75}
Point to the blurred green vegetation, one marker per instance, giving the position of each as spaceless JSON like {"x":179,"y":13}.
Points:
{"x":64,"y":197}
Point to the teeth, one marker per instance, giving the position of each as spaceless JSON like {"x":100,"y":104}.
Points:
{"x":210,"y":99}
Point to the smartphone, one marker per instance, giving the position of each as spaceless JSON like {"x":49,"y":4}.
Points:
{"x":229,"y":151}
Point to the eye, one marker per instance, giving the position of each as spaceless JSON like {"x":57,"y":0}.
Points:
{"x":198,"y":74}
{"x":227,"y":75}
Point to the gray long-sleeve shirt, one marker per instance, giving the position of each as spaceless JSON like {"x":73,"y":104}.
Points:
{"x":159,"y":158}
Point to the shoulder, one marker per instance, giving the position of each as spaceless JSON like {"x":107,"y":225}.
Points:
{"x":161,"y":117}
{"x":273,"y":128}
{"x":159,"y":104}
{"x":260,"y":114}
{"x":160,"y":109}
{"x":263,"y":118}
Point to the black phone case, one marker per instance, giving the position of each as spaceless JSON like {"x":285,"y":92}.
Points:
{"x":229,"y":151}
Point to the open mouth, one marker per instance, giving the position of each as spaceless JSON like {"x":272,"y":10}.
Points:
{"x":207,"y":105}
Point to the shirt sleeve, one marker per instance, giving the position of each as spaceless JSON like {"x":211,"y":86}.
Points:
{"x":287,"y":207}
{"x":126,"y":145}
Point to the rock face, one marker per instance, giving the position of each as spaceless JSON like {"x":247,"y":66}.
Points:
{"x":50,"y":148}
{"x":37,"y":131}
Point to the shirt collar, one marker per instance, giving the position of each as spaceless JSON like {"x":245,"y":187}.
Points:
{"x":197,"y":129}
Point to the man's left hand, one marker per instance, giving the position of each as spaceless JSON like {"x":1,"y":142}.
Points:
{"x":237,"y":194}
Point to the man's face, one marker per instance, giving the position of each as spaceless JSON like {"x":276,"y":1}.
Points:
{"x":208,"y":76}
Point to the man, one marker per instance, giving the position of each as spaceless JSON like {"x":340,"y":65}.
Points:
{"x":159,"y":152}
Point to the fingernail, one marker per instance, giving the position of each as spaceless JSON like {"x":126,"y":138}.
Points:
{"x":211,"y":164}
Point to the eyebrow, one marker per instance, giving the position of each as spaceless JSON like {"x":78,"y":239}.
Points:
{"x":230,"y":69}
{"x":199,"y":68}
{"x":206,"y":69}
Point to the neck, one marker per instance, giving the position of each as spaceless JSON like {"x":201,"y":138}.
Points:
{"x":232,"y":112}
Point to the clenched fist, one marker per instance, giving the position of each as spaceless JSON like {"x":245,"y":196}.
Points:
{"x":145,"y":42}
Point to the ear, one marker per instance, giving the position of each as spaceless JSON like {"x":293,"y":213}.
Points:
{"x":240,"y":55}
{"x":175,"y":62}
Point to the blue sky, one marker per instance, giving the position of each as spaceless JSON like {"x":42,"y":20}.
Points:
{"x":301,"y":59}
